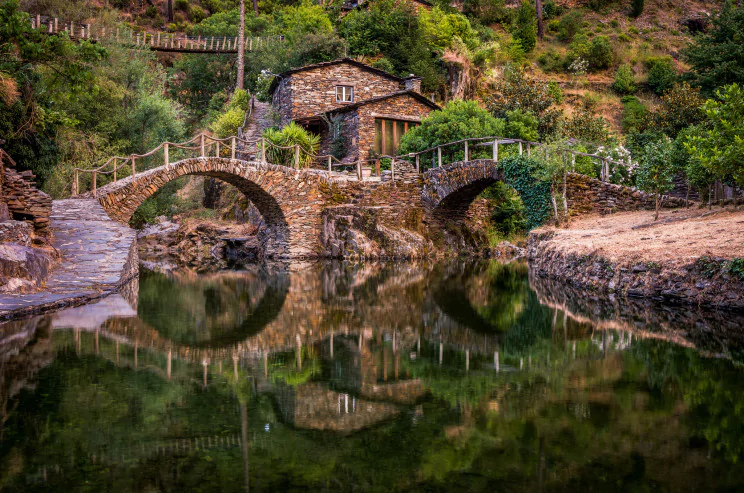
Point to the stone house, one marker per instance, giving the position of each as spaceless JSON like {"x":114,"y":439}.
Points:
{"x":359,"y":112}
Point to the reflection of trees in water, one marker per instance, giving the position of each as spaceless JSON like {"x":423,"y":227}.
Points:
{"x":212,"y":310}
{"x":590,"y":410}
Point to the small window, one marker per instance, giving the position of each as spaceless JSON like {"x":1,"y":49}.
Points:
{"x":345,"y":94}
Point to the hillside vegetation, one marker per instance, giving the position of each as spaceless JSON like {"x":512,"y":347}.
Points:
{"x":614,"y":77}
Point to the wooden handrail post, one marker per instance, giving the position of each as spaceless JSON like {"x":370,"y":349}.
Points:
{"x":359,"y":170}
{"x":263,"y":150}
{"x":439,"y":156}
{"x":232,"y":148}
{"x":529,"y":152}
{"x":134,"y":168}
{"x":392,"y":169}
{"x":330,"y":163}
{"x":520,"y":148}
{"x":495,"y":150}
{"x":418,"y":168}
{"x":297,"y":157}
{"x":56,"y":25}
{"x":115,"y":169}
{"x":95,"y":182}
{"x":76,"y":183}
{"x":573,"y":162}
{"x":202,"y":145}
{"x":38,"y":22}
{"x":217,"y":149}
{"x":465,"y":158}
{"x":166,"y":154}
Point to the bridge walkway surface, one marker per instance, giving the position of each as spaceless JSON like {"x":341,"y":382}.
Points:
{"x":98,"y":254}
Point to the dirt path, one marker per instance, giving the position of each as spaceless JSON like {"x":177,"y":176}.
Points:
{"x":678,"y":236}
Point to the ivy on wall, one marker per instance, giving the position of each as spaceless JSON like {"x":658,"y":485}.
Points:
{"x":519,"y":174}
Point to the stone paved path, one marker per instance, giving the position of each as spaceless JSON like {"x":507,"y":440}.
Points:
{"x":98,"y":256}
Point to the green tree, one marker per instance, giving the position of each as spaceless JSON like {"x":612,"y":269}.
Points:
{"x":525,"y":26}
{"x":716,"y":57}
{"x":681,"y":106}
{"x":656,"y":171}
{"x":456,"y":121}
{"x":720,"y":146}
{"x":661,"y":74}
{"x":439,"y":29}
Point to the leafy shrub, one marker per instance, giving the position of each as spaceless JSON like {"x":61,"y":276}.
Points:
{"x":521,"y":124}
{"x":614,"y":23}
{"x":624,"y":80}
{"x":661,"y":74}
{"x":624,"y":38}
{"x":384,"y":64}
{"x":228,"y":123}
{"x":525,"y":26}
{"x":551,"y":10}
{"x":551,"y":61}
{"x":289,"y":136}
{"x":553,"y":25}
{"x":569,"y":26}
{"x":182,"y":5}
{"x":197,"y":14}
{"x":633,"y":30}
{"x":508,"y":216}
{"x":152,"y":12}
{"x":636,"y":8}
{"x":634,"y":114}
{"x":597,"y":52}
{"x":681,"y":106}
{"x":585,"y":126}
{"x":735,"y":267}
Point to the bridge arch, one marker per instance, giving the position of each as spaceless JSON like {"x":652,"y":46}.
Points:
{"x":448,"y":191}
{"x":289,"y":200}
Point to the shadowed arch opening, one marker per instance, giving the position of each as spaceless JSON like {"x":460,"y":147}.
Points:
{"x":454,"y":207}
{"x":121,"y":199}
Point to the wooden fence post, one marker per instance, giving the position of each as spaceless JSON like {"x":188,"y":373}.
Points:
{"x":217,"y":149}
{"x":529,"y":149}
{"x":392,"y":169}
{"x":56,"y":25}
{"x":232,"y":148}
{"x":418,"y":168}
{"x":495,"y":150}
{"x":202,"y":145}
{"x":439,"y":156}
{"x":115,"y":169}
{"x":38,"y":22}
{"x":573,"y":162}
{"x":95,"y":182}
{"x":134,"y":167}
{"x":166,"y":156}
{"x":520,"y":148}
{"x":76,"y":183}
{"x":330,"y":163}
{"x":465,"y":158}
{"x":297,"y":156}
{"x":263,"y":150}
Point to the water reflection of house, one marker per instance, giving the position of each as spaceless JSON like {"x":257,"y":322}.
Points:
{"x":357,"y":110}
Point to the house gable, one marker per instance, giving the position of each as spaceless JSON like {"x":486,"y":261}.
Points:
{"x":311,"y":90}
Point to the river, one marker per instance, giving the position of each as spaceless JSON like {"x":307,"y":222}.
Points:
{"x":459,"y":376}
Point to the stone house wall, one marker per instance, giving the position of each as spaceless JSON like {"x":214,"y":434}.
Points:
{"x":311,"y":92}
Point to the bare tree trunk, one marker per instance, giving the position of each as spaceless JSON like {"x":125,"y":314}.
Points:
{"x":540,"y":29}
{"x":241,"y":47}
{"x":170,"y":11}
{"x":255,"y":6}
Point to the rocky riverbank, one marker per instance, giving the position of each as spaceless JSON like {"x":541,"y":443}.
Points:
{"x":688,"y":257}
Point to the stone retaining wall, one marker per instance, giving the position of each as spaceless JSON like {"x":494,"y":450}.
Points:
{"x":20,"y":199}
{"x":690,"y":283}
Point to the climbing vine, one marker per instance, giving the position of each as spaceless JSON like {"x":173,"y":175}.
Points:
{"x":519,"y":174}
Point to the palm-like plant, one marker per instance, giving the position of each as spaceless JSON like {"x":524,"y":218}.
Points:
{"x":280,"y":148}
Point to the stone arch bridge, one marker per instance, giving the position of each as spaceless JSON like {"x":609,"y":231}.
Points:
{"x":293,"y":201}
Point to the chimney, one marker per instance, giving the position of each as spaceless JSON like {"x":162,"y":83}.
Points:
{"x":413,"y":83}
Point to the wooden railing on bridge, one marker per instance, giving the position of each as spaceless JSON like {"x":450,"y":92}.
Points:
{"x":159,"y":41}
{"x":205,"y":145}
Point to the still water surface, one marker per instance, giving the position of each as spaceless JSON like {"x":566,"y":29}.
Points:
{"x":374,"y":377}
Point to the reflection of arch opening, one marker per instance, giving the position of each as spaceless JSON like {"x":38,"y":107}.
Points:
{"x":151,"y":311}
{"x":120,"y":199}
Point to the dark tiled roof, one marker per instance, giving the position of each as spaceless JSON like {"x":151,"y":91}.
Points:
{"x":339,"y":61}
{"x":353,"y":106}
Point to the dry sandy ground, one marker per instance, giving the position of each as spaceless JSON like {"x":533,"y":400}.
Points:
{"x":678,"y":235}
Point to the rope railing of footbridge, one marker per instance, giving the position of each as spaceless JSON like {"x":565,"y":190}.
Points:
{"x":159,"y":41}
{"x":205,"y":145}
